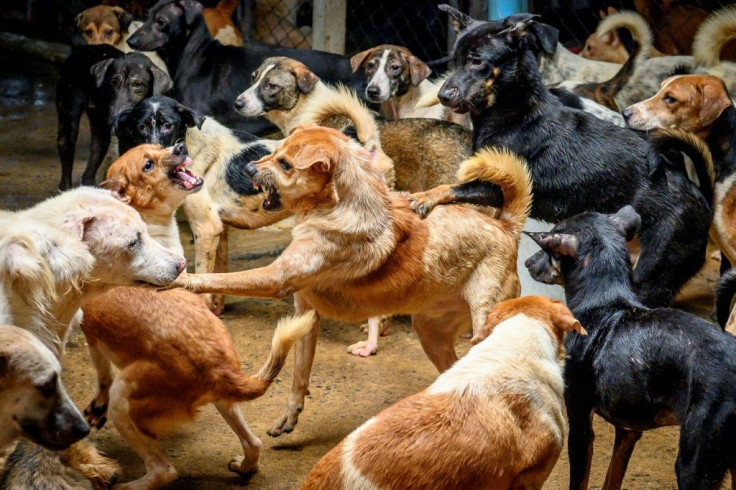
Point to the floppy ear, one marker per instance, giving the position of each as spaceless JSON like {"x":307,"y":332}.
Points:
{"x":190,"y":117}
{"x":560,"y":243}
{"x":359,"y":58}
{"x":161,"y":81}
{"x":99,"y":69}
{"x":27,"y":271}
{"x":459,"y":20}
{"x":493,"y":318}
{"x":78,"y":20}
{"x":715,"y":100}
{"x":563,"y":319}
{"x":124,"y":18}
{"x":627,"y":220}
{"x":305,"y":79}
{"x":418,"y":69}
{"x":192,"y":10}
{"x":117,"y":187}
{"x":547,"y":36}
{"x":79,"y":227}
{"x":313,"y":157}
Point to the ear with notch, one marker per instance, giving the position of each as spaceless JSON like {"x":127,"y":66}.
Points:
{"x":124,"y":18}
{"x":192,"y":10}
{"x":357,"y":60}
{"x":561,"y":243}
{"x":563,"y":318}
{"x":627,"y":220}
{"x":161,"y":81}
{"x":118,"y":187}
{"x":99,"y":69}
{"x":459,"y":20}
{"x":190,"y":117}
{"x":418,"y":70}
{"x":715,"y":100}
{"x":314,"y":157}
{"x":305,"y":79}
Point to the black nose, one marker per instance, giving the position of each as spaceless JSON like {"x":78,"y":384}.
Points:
{"x":250,"y":169}
{"x":627,"y":113}
{"x":239,"y":104}
{"x":180,"y":149}
{"x":448,"y":95}
{"x":80,"y":430}
{"x":372,"y":91}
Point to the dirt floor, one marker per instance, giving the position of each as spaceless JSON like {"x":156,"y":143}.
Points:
{"x":345,"y":390}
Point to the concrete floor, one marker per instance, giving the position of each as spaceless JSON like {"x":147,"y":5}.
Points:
{"x":345,"y":390}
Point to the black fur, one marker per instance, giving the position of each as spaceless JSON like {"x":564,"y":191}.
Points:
{"x":724,"y":295}
{"x":637,"y":367}
{"x":235,"y":174}
{"x":209,"y":76}
{"x":578,"y":162}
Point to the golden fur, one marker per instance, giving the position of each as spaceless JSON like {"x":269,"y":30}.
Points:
{"x":717,"y":30}
{"x":604,"y":44}
{"x":219,"y":20}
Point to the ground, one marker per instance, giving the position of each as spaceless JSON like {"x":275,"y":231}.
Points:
{"x":345,"y":390}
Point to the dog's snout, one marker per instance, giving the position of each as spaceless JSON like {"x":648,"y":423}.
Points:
{"x":448,"y":95}
{"x":627,"y":113}
{"x":181,"y":266}
{"x":180,"y":149}
{"x":372,"y":91}
{"x":80,"y":430}
{"x":239,"y":103}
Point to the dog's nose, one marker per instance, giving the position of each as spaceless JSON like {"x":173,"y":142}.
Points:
{"x":180,"y":149}
{"x":182,"y":266}
{"x":239,"y":103}
{"x":627,"y":113}
{"x":372,"y":91}
{"x":448,"y":95}
{"x":80,"y":430}
{"x":250,"y":169}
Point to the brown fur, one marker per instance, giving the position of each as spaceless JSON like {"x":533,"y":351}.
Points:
{"x":607,"y":46}
{"x":103,"y":24}
{"x":359,"y":251}
{"x":674,"y":25}
{"x":220,"y":23}
{"x":470,"y":429}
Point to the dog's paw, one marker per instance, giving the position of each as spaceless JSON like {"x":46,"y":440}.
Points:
{"x":286,"y":423}
{"x":216,"y":303}
{"x":243,"y":466}
{"x":421,"y":204}
{"x":363,"y":349}
{"x":96,"y":414}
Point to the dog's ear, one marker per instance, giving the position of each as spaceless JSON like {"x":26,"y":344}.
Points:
{"x":305,"y":79}
{"x":161,"y":81}
{"x":359,"y":58}
{"x":521,"y":28}
{"x":459,"y":20}
{"x":78,"y":227}
{"x":314,"y":157}
{"x":493,"y":318}
{"x":120,"y":120}
{"x":192,"y":9}
{"x":190,"y":117}
{"x":560,"y":243}
{"x":627,"y":220}
{"x":715,"y":100}
{"x":99,"y":69}
{"x":124,"y":18}
{"x":78,"y":20}
{"x":418,"y":69}
{"x":117,"y":187}
{"x":563,"y":319}
{"x":27,"y":271}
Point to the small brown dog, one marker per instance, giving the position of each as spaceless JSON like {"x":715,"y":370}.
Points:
{"x":496,"y":419}
{"x":605,"y":43}
{"x":359,"y":251}
{"x":103,"y":24}
{"x":219,"y":20}
{"x":173,"y":353}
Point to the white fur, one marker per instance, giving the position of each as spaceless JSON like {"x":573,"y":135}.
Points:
{"x":352,"y":478}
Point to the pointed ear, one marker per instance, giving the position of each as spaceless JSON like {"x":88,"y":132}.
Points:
{"x":612,"y":10}
{"x":305,"y":79}
{"x":190,"y":117}
{"x":714,"y":101}
{"x":546,"y":35}
{"x":627,"y":220}
{"x":563,"y":319}
{"x":99,"y":69}
{"x":560,"y":243}
{"x":459,"y":20}
{"x":117,"y":187}
{"x":192,"y":9}
{"x":124,"y":18}
{"x":359,"y":58}
{"x":418,"y":70}
{"x":314,"y":157}
{"x":614,"y":40}
{"x":78,"y":21}
{"x":161,"y":81}
{"x":521,"y":27}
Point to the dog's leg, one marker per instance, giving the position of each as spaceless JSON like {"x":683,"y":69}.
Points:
{"x":216,"y":302}
{"x":370,"y":347}
{"x":579,"y":444}
{"x":437,"y":336}
{"x":251,"y":444}
{"x":623,"y":447}
{"x":96,"y":411}
{"x":100,"y":136}
{"x":706,"y":450}
{"x":303,"y":358}
{"x":70,"y":112}
{"x":473,"y":192}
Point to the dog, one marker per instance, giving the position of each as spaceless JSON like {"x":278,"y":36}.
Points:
{"x":676,"y":25}
{"x":146,"y":398}
{"x":208,"y":76}
{"x":359,"y":251}
{"x":101,"y":81}
{"x":572,"y":156}
{"x":220,"y":23}
{"x":638,"y":368}
{"x":500,"y":408}
{"x":613,"y":45}
{"x":397,"y":80}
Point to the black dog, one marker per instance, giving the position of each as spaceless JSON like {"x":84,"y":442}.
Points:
{"x":637,"y":368}
{"x":209,"y":76}
{"x":577,"y":161}
{"x":101,"y":81}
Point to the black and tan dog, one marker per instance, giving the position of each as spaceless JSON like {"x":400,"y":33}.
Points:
{"x":576,"y":160}
{"x":638,"y":368}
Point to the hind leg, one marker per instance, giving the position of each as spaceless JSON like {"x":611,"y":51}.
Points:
{"x":70,"y":112}
{"x":705,"y":452}
{"x":623,"y":447}
{"x":251,"y":444}
{"x":96,"y":411}
{"x":437,"y":336}
{"x":100,"y":135}
{"x":216,"y":302}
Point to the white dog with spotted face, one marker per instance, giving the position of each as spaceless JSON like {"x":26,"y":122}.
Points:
{"x":68,"y":249}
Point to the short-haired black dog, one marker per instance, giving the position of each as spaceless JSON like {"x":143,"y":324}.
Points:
{"x":209,"y":76}
{"x":577,"y":161}
{"x":101,"y":81}
{"x":638,"y":368}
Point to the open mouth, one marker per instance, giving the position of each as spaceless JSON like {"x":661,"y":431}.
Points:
{"x":183,"y":178}
{"x":272,"y":201}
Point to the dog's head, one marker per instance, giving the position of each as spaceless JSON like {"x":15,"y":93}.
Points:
{"x":299,"y":174}
{"x":488,"y":58}
{"x":390,"y":70}
{"x":157,"y":120}
{"x":103,"y":24}
{"x":605,"y":47}
{"x":152,"y":178}
{"x":168,"y":22}
{"x":276,"y":85}
{"x":125,"y":81}
{"x":578,"y":246}
{"x":35,"y":403}
{"x":689,"y":102}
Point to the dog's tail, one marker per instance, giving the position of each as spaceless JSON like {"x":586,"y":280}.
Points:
{"x":509,"y":172}
{"x":692,"y":146}
{"x":227,"y":7}
{"x":713,"y":34}
{"x":242,"y":387}
{"x":724,"y":295}
{"x":636,"y":25}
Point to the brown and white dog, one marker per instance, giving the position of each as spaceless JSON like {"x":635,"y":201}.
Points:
{"x":219,"y":20}
{"x":397,"y":80}
{"x":495,"y":419}
{"x":360,"y":251}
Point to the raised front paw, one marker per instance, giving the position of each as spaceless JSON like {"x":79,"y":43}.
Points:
{"x":287,"y":422}
{"x":96,"y":414}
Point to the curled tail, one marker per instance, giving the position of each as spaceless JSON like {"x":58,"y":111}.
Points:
{"x":694,"y":148}
{"x":636,"y":25}
{"x":724,"y":294}
{"x":509,"y":172}
{"x":242,"y":387}
{"x":713,"y":34}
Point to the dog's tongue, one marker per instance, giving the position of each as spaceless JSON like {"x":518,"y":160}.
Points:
{"x":186,"y":178}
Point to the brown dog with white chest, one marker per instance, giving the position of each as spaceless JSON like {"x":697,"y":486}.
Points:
{"x":359,"y":251}
{"x":174,"y":355}
{"x":496,"y":419}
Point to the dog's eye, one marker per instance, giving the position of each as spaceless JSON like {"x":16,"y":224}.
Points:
{"x":669,"y":99}
{"x":271,"y":86}
{"x":285,"y":165}
{"x":166,"y":126}
{"x":142,"y":128}
{"x":159,"y":22}
{"x":135,"y":242}
{"x":108,"y":33}
{"x":148,"y":166}
{"x":48,"y":388}
{"x":253,"y":77}
{"x":371,"y":64}
{"x":395,"y":68}
{"x":88,"y":33}
{"x":476,"y":62}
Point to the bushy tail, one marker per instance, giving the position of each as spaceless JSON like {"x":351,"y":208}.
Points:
{"x":242,"y":387}
{"x":695,"y":149}
{"x":636,"y":25}
{"x":227,"y":7}
{"x":713,"y":34}
{"x":724,"y":294}
{"x":509,"y":172}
